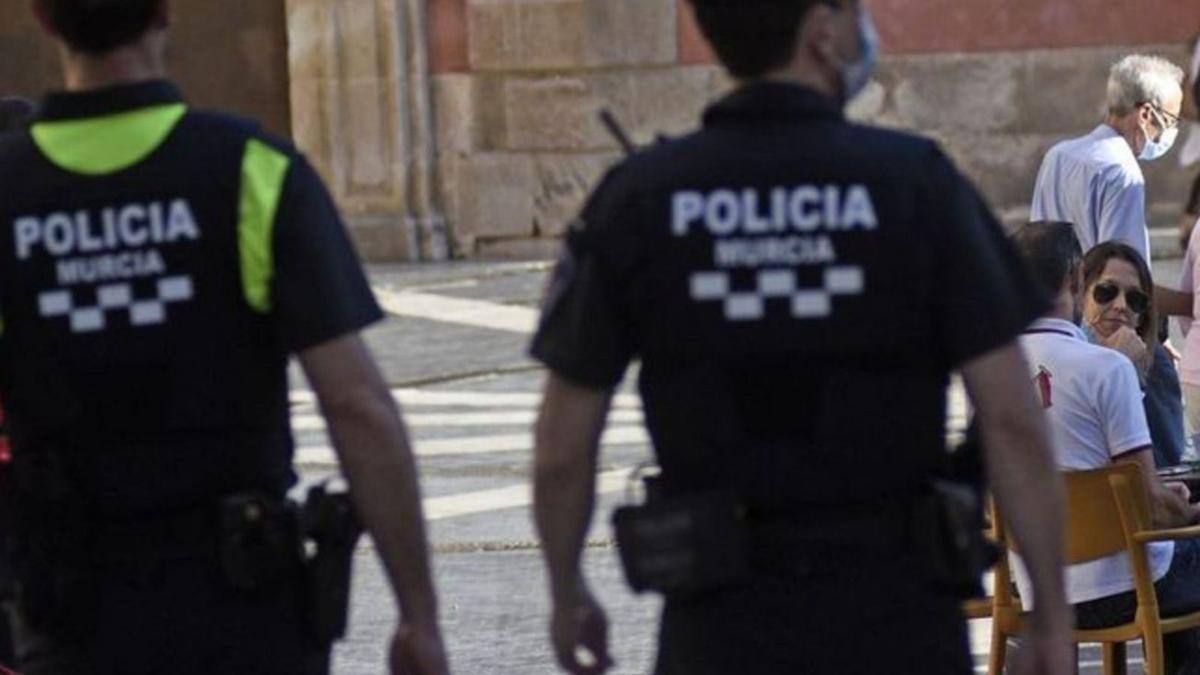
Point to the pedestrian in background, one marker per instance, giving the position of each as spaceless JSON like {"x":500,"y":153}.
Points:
{"x":1189,"y":154}
{"x":158,"y":265}
{"x":798,"y":289}
{"x":1096,"y":183}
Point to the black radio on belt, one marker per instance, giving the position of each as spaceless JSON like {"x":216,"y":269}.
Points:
{"x":681,"y":546}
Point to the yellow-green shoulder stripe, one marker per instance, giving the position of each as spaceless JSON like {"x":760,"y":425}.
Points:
{"x":101,"y":145}
{"x":263,"y":171}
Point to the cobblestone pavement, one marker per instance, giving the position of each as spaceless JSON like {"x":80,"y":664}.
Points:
{"x":453,"y":348}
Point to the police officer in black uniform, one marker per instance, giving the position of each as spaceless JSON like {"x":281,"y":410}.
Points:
{"x":798,"y":289}
{"x":158,"y":266}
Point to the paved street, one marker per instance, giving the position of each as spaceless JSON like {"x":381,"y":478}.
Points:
{"x":453,"y":349}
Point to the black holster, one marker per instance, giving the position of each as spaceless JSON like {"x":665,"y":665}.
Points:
{"x":330,"y":524}
{"x":47,"y":542}
{"x":264,"y":541}
{"x":682,"y":546}
{"x":946,"y":538}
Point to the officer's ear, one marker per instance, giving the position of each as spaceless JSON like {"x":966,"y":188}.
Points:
{"x":819,"y":34}
{"x":162,"y":17}
{"x":41,"y":12}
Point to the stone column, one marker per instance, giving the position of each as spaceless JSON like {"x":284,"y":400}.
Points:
{"x":355,"y":114}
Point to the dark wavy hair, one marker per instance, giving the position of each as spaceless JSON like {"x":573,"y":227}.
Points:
{"x":99,"y":26}
{"x":753,"y":37}
{"x":1093,"y":266}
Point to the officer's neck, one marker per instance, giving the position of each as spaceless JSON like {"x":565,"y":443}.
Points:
{"x":807,"y":75}
{"x":138,"y":62}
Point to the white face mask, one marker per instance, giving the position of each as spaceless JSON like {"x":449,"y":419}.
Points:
{"x":856,"y":76}
{"x":1155,"y":149}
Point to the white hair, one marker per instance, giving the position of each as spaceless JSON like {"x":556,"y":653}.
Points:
{"x":1138,"y":79}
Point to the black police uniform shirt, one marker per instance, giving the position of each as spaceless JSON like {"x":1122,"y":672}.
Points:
{"x":149,"y":302}
{"x":798,"y":289}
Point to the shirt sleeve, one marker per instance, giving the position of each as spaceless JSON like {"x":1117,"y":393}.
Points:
{"x":319,"y":291}
{"x":985,"y":294}
{"x":1121,"y":409}
{"x":586,"y":333}
{"x":1123,"y":213}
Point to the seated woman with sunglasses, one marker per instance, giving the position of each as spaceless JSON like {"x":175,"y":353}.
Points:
{"x":1118,"y":309}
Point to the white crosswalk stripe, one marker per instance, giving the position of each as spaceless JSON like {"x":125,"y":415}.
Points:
{"x":454,"y":423}
{"x":482,"y":501}
{"x":451,"y":425}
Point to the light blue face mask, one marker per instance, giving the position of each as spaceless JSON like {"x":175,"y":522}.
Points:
{"x":856,"y":76}
{"x":1155,"y":149}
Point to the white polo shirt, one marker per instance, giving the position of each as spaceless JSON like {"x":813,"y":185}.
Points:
{"x":1093,"y":405}
{"x":1096,"y":183}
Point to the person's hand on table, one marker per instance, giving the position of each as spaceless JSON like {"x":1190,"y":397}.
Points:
{"x":1180,"y":489}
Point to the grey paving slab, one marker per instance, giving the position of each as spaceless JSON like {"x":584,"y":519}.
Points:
{"x":495,"y":610}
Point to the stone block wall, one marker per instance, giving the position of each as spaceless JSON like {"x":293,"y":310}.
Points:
{"x":472,"y":125}
{"x":995,"y":81}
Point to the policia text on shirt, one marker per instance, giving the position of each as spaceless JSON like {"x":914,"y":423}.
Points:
{"x":158,"y":267}
{"x":798,"y":289}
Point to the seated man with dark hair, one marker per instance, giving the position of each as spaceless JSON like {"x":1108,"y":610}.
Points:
{"x":1094,"y":408}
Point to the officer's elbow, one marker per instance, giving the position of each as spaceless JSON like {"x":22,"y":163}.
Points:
{"x":359,"y":408}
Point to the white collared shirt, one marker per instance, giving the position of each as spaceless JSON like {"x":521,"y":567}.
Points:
{"x":1093,"y":405}
{"x":1095,"y":183}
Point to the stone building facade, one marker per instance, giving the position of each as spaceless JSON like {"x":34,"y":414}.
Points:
{"x":470,"y":126}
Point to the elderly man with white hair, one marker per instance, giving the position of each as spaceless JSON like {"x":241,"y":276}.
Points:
{"x":1096,"y":183}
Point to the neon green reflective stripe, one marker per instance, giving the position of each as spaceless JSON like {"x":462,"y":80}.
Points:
{"x":101,"y":145}
{"x":263,"y":171}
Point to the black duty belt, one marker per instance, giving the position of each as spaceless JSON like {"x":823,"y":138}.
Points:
{"x":185,"y":533}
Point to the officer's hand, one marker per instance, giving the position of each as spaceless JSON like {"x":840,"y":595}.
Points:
{"x":418,"y":651}
{"x":580,"y":636}
{"x":1045,"y":652}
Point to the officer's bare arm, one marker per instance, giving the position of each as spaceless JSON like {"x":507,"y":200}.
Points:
{"x":1025,"y":480}
{"x":372,"y":445}
{"x":564,"y":488}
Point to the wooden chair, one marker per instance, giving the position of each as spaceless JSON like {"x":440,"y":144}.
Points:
{"x":1108,"y":511}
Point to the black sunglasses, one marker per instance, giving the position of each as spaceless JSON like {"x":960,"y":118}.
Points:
{"x":1106,"y":292}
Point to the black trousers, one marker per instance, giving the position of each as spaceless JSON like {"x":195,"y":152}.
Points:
{"x":845,"y":613}
{"x":179,"y":617}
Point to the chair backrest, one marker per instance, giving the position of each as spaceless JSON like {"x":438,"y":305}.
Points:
{"x":1104,"y":508}
{"x":1094,"y":527}
{"x":1094,"y":523}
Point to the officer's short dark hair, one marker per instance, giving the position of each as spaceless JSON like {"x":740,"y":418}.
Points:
{"x":753,"y":37}
{"x":100,"y":26}
{"x":1051,"y":250}
{"x":15,"y":113}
